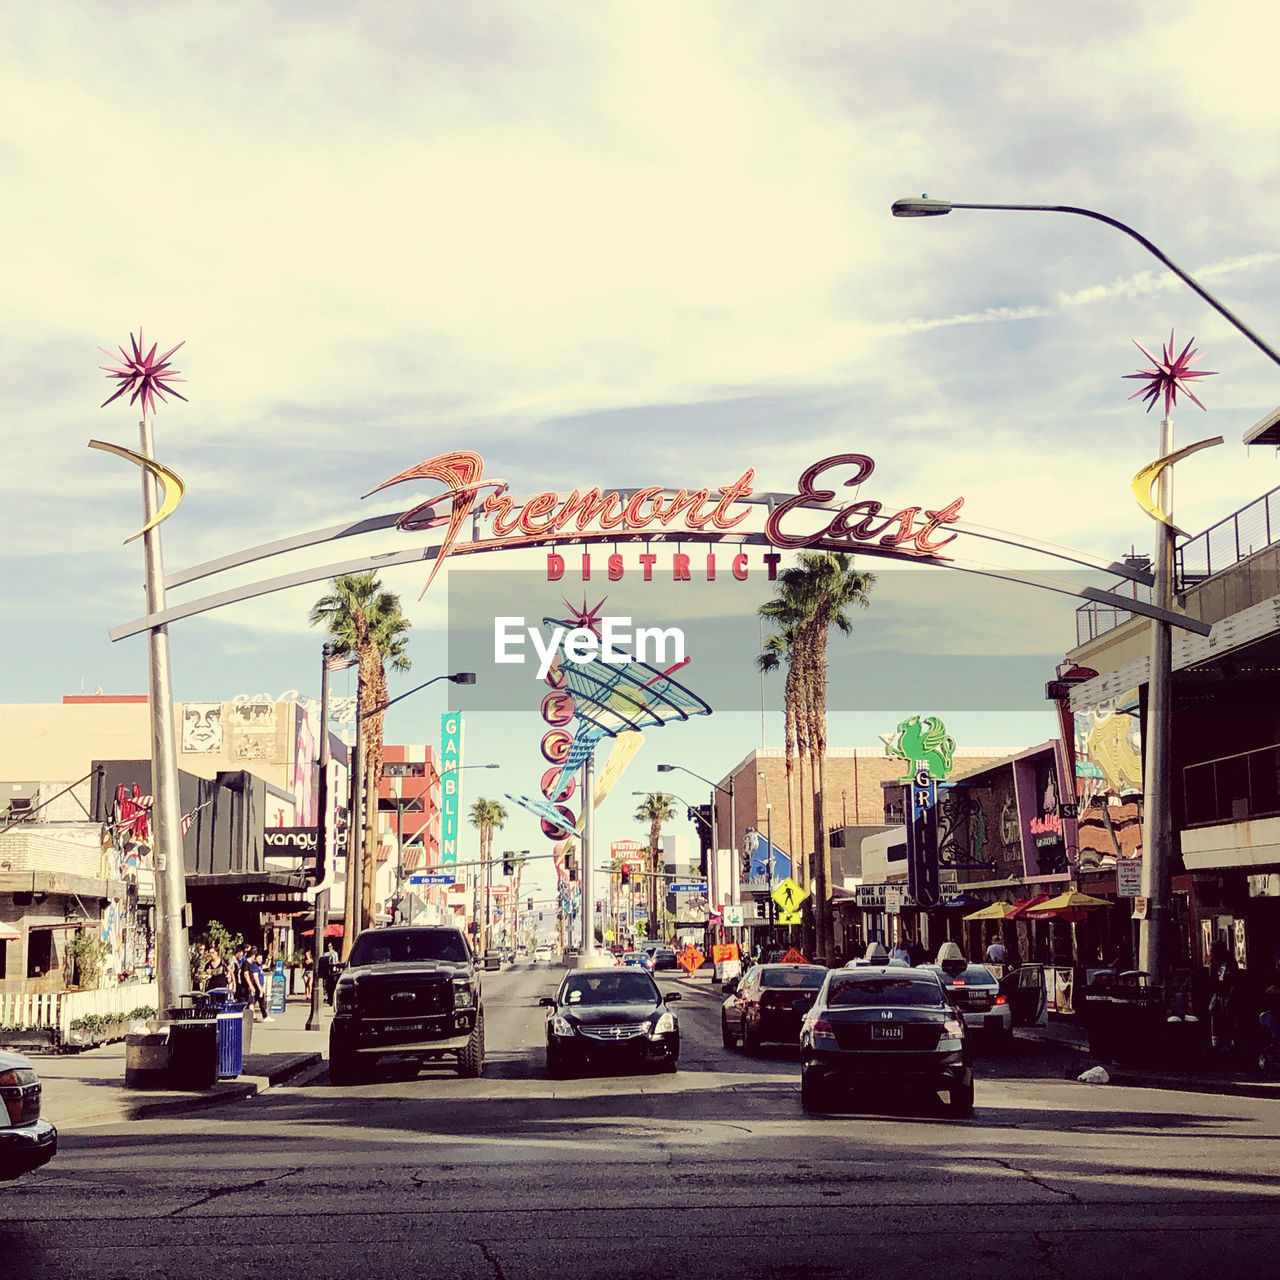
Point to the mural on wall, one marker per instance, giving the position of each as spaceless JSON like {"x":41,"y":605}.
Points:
{"x":1108,"y":751}
{"x":255,"y":730}
{"x":126,"y":840}
{"x":201,"y":727}
{"x":1046,"y":820}
{"x":306,"y":758}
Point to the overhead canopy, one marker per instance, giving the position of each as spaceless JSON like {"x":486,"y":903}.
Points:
{"x":1020,"y":909}
{"x":1071,"y":901}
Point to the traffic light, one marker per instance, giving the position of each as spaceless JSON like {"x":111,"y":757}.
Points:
{"x":625,"y":877}
{"x":530,"y":906}
{"x":508,"y":866}
{"x":571,"y":864}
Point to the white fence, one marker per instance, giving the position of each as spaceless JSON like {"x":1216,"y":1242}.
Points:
{"x":59,"y":1009}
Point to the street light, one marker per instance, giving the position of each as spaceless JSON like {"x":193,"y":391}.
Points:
{"x":733,"y":895}
{"x":1157,"y":829}
{"x":927,"y":208}
{"x":354,"y":901}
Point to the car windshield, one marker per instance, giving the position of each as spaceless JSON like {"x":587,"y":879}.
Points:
{"x":870,"y":992}
{"x":804,"y":978}
{"x":388,"y":946}
{"x":619,"y":987}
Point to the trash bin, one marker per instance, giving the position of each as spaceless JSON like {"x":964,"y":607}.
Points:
{"x":193,"y":1046}
{"x":1126,"y":1018}
{"x":230,"y":1017}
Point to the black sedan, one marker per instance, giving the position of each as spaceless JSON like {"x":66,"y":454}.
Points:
{"x":610,"y":1018}
{"x":768,"y":1003}
{"x":882,"y":1028}
{"x":26,"y":1140}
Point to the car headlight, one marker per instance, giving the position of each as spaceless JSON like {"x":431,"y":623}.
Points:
{"x":463,"y":996}
{"x":665,"y":1024}
{"x":344,"y":998}
{"x":560,"y":1026}
{"x":18,"y":1077}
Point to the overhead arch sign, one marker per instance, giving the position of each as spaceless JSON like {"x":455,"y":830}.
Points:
{"x":474,"y":514}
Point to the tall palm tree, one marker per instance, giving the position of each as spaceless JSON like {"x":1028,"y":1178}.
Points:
{"x":656,"y":809}
{"x":487,"y":816}
{"x":779,"y":647}
{"x":814,"y":596}
{"x":365,"y":622}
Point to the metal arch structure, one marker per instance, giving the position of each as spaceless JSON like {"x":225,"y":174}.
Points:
{"x":771,"y":503}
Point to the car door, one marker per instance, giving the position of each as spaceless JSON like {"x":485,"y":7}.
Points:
{"x":734,"y":1015}
{"x":1025,"y":991}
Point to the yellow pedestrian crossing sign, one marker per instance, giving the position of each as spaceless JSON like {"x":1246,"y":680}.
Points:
{"x":791,"y":917}
{"x":789,"y":895}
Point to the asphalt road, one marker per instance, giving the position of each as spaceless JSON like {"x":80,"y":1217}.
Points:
{"x":712,"y":1172}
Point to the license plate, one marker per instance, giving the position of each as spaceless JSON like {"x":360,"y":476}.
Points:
{"x":886,"y":1033}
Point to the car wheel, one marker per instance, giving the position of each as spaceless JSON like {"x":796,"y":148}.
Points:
{"x":344,"y":1066}
{"x":471,"y":1056}
{"x":730,"y":1041}
{"x":959,"y":1104}
{"x":815,"y":1094}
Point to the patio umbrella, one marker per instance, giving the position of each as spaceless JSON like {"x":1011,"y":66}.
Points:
{"x":1068,"y":902}
{"x":996,"y":911}
{"x":8,"y":933}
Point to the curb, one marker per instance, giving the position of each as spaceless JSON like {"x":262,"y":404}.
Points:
{"x":225,"y":1091}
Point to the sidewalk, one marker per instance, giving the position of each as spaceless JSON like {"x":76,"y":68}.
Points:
{"x":82,"y":1089}
{"x":1199,"y":1076}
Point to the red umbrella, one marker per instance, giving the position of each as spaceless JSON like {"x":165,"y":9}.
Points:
{"x":330,"y":931}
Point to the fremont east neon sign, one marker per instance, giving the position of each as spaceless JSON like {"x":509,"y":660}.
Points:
{"x":698,"y":514}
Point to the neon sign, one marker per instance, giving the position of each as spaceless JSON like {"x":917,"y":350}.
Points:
{"x":595,"y":515}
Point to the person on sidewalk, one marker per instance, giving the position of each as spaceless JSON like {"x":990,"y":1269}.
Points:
{"x":257,"y":979}
{"x":1224,"y":975}
{"x":329,"y":963}
{"x":996,"y":953}
{"x":1269,"y":1018}
{"x":308,"y":963}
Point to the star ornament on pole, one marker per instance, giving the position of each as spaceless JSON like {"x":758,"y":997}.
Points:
{"x":144,"y":374}
{"x":1168,"y":375}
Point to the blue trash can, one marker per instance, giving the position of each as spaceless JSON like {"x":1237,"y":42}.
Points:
{"x":230,"y":1034}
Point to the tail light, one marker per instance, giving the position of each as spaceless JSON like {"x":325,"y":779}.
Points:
{"x":823,"y":1031}
{"x":1001,"y":1000}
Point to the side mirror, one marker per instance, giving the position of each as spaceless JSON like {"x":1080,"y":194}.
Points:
{"x":675,"y":995}
{"x":547,"y":1002}
{"x":731,"y":987}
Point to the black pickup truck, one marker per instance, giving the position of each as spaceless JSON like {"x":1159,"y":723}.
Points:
{"x":410,"y":989}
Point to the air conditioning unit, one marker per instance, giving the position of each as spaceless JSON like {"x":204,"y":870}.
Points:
{"x":21,"y":800}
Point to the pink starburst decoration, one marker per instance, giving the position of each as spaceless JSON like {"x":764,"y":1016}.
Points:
{"x":145,"y":375}
{"x":588,"y":617}
{"x":1168,"y":375}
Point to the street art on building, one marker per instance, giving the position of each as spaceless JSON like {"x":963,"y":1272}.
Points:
{"x":201,"y":727}
{"x":254,"y":730}
{"x":1108,"y":755}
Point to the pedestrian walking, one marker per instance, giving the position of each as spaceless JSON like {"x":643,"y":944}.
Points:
{"x":900,"y":951}
{"x":308,"y":963}
{"x":329,"y":971}
{"x":1224,"y":976}
{"x":257,"y":980}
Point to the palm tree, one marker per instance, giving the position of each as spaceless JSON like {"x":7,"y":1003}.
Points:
{"x":365,"y":622}
{"x":779,"y":647}
{"x":487,"y":816}
{"x":815,"y":596}
{"x":656,"y":809}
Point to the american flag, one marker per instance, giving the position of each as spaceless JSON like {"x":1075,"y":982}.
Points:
{"x":342,"y":662}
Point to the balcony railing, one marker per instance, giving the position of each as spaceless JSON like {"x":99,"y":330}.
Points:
{"x":1233,"y":788}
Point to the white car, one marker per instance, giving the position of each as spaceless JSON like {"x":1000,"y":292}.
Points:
{"x":542,"y":955}
{"x":975,"y":992}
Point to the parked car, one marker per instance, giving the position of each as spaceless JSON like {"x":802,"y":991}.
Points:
{"x":768,"y":1004}
{"x":881,"y":1028}
{"x":610,"y":1019}
{"x":27,"y":1141}
{"x":975,"y":992}
{"x":407,"y":989}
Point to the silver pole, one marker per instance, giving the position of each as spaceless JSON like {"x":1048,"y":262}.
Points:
{"x":322,"y":836}
{"x":354,"y":897}
{"x":587,"y":856}
{"x":173,"y":963}
{"x":1157,"y":826}
{"x":735,"y":877}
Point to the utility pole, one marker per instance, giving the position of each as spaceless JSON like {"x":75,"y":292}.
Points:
{"x":353,"y":899}
{"x":322,"y":836}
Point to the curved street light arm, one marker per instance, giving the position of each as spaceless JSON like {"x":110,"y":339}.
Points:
{"x":1152,"y":249}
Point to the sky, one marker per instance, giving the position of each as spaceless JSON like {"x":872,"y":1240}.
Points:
{"x":615,"y":243}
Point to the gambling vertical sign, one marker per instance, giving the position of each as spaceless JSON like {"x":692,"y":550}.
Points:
{"x":450,"y":785}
